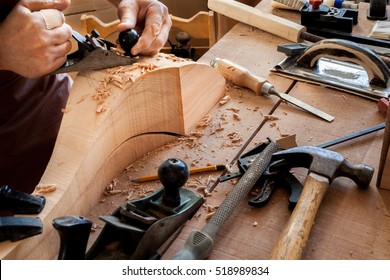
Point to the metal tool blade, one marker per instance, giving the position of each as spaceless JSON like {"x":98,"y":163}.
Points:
{"x":97,"y":59}
{"x":305,"y":106}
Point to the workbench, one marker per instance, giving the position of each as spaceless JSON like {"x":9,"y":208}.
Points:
{"x":351,"y":223}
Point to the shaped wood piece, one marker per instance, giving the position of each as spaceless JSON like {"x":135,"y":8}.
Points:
{"x":106,"y":127}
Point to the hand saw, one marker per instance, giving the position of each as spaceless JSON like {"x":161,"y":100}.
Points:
{"x":93,"y":53}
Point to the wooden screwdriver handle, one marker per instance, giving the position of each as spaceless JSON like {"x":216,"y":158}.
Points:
{"x":278,"y":26}
{"x":293,"y":239}
{"x":238,"y":75}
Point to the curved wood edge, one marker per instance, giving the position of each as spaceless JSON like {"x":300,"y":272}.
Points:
{"x":92,"y":149}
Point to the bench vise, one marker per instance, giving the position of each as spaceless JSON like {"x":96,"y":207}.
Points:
{"x":137,"y":229}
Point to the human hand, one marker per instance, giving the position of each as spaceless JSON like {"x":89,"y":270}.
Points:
{"x":35,"y":43}
{"x":150,"y":18}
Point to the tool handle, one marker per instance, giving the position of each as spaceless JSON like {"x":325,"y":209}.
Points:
{"x":343,"y":50}
{"x":198,"y":246}
{"x":294,"y":236}
{"x":278,"y":26}
{"x":238,"y":75}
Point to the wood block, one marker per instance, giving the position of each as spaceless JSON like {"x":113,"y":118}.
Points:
{"x":113,"y":117}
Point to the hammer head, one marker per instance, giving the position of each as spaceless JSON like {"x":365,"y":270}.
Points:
{"x":323,"y":162}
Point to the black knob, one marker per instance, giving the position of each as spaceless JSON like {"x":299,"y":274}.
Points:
{"x":173,"y":174}
{"x":127,"y":39}
{"x":183,"y":38}
{"x":74,"y":233}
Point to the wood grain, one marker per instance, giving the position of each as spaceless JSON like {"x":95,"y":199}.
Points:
{"x":94,"y":145}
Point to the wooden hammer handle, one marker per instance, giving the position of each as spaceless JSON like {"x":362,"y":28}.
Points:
{"x":254,"y":17}
{"x":294,"y":236}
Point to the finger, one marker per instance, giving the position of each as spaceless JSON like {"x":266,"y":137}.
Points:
{"x":53,"y":18}
{"x":149,"y":44}
{"x":60,"y":50}
{"x":148,"y":36}
{"x":128,"y":15}
{"x":37,"y":5}
{"x":60,"y":34}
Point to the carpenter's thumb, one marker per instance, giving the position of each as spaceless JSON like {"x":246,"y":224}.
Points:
{"x":37,"y":5}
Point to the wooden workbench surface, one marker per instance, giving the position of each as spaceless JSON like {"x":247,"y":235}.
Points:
{"x":351,"y":223}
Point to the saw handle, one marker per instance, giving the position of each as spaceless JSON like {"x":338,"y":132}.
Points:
{"x":238,"y":75}
{"x":294,"y":236}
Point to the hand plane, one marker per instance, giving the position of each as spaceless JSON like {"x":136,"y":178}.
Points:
{"x":95,"y":53}
{"x":339,"y":64}
{"x":137,"y":229}
{"x":15,"y":228}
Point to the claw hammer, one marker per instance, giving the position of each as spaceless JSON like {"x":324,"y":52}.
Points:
{"x":324,"y":166}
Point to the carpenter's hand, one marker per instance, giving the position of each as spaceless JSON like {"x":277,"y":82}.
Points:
{"x":32,"y":46}
{"x":150,"y":18}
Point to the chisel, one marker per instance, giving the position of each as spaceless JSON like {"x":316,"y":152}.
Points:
{"x":243,"y":77}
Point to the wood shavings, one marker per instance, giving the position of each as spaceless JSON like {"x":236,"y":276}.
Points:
{"x":235,"y":137}
{"x":129,"y":197}
{"x":270,"y":118}
{"x":197,"y":133}
{"x":216,"y":128}
{"x":118,"y":51}
{"x":206,"y":193}
{"x":144,"y":193}
{"x":44,"y":189}
{"x":204,"y":122}
{"x":190,"y":141}
{"x":113,"y":192}
{"x":209,"y":215}
{"x":101,"y":108}
{"x":236,"y":117}
{"x":95,"y":227}
{"x":118,"y":77}
{"x":235,"y":110}
{"x":224,"y":100}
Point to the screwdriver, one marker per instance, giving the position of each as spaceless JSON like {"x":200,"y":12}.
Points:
{"x":243,"y":77}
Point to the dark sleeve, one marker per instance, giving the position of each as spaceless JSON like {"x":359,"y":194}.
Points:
{"x":5,"y":7}
{"x":30,"y":117}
